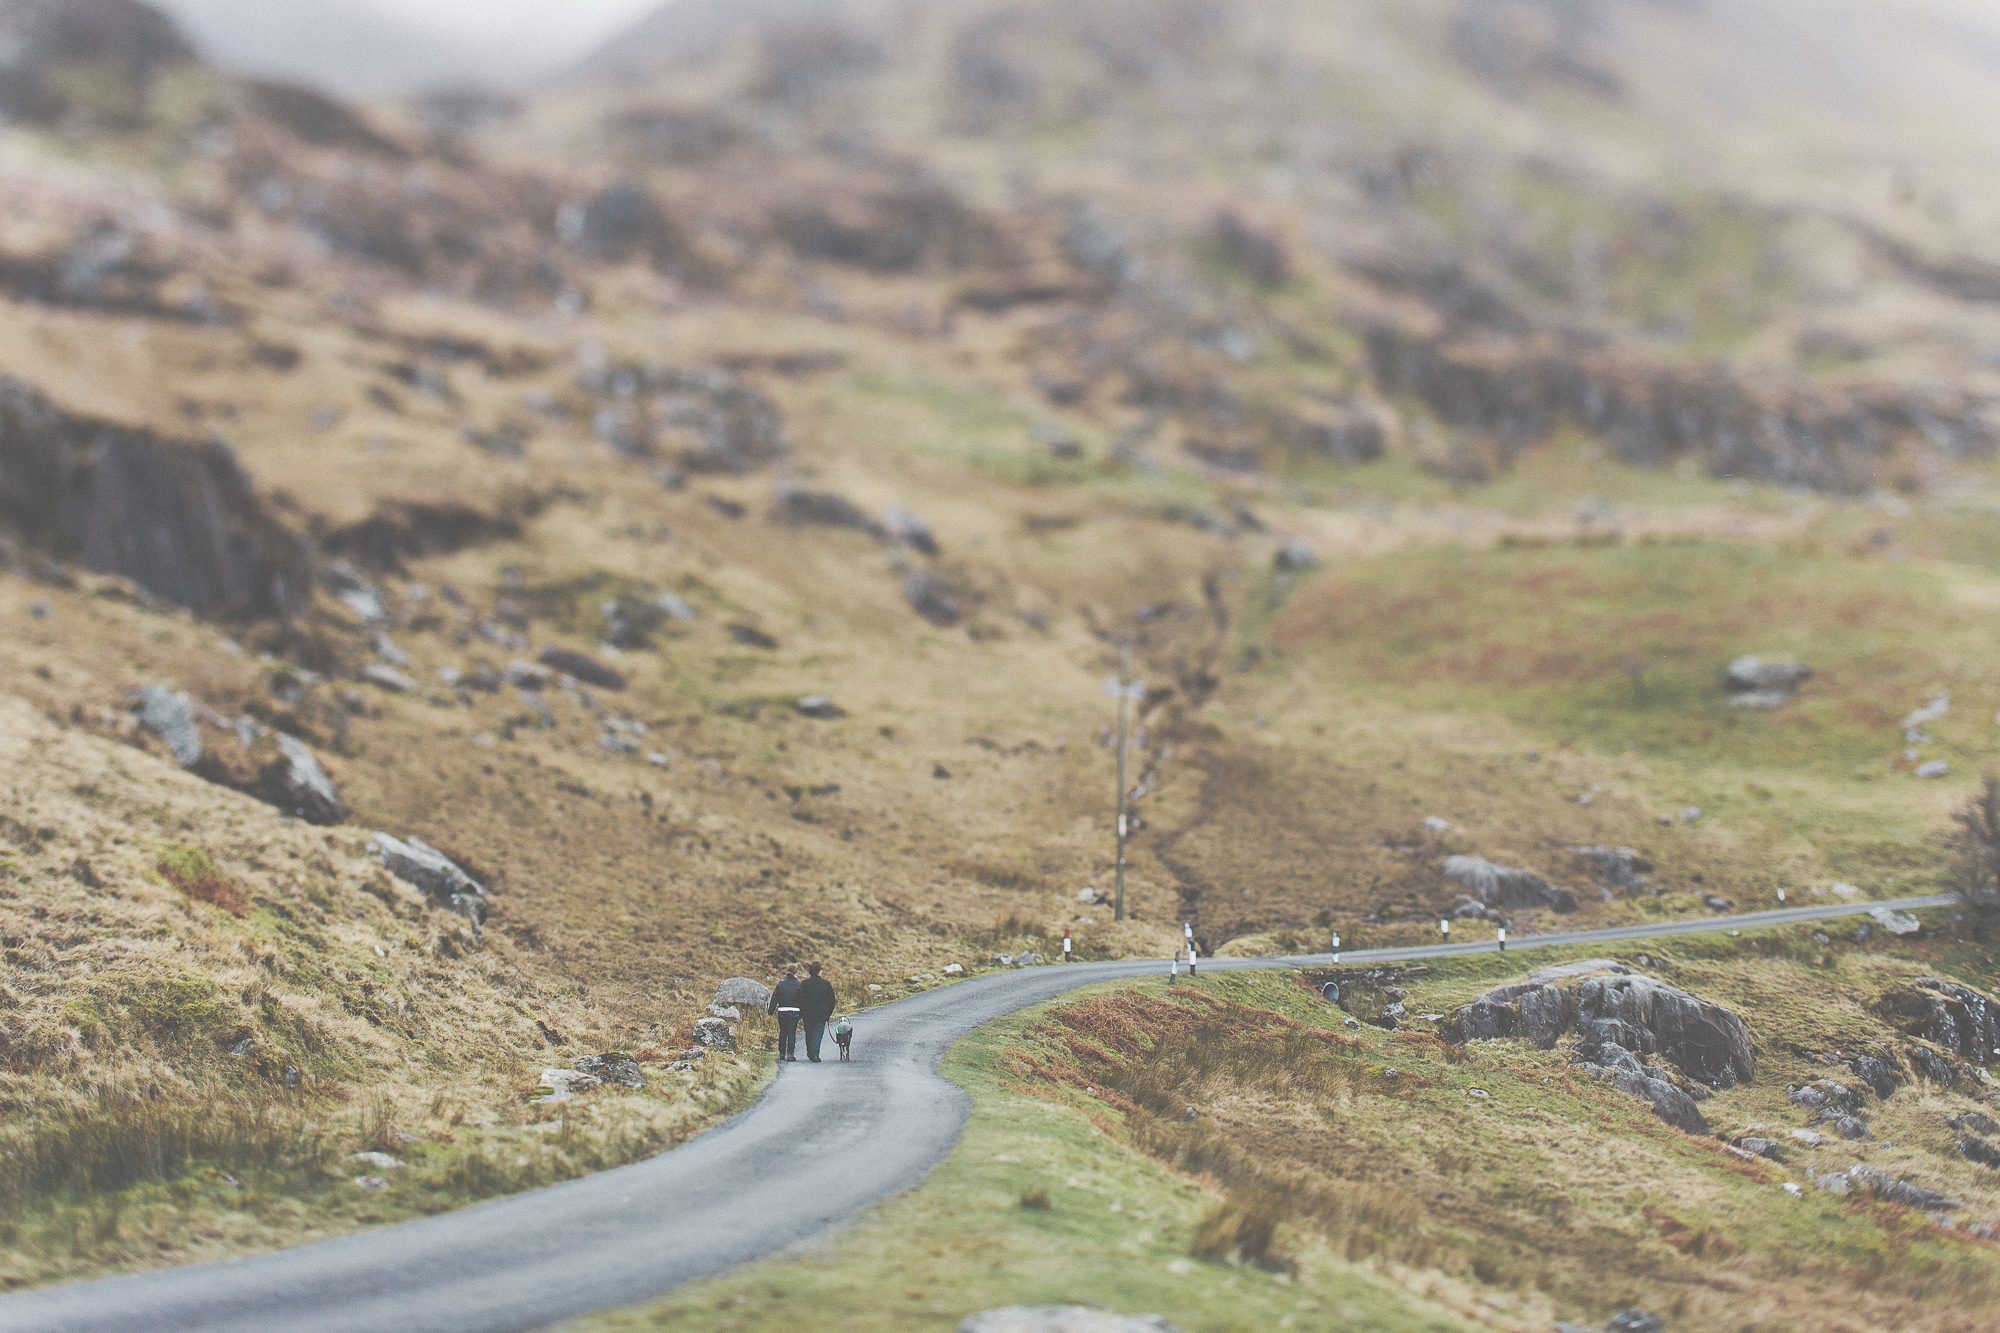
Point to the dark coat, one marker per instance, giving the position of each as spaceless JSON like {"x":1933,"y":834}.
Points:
{"x":816,"y":999}
{"x":785,"y":995}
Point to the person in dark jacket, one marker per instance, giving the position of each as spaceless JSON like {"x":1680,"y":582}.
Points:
{"x":816,"y":1001}
{"x":785,"y":1003}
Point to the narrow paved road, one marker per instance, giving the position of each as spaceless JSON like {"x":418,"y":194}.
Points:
{"x":821,"y":1144}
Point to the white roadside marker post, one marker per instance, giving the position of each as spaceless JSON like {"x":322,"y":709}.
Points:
{"x":1336,"y":946}
{"x":1066,"y":944}
{"x":1503,"y":939}
{"x":1174,"y":968}
{"x":1781,"y":897}
{"x":1188,"y":927}
{"x":1444,"y":930}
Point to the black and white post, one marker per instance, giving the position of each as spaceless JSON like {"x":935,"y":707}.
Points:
{"x":1187,"y":928}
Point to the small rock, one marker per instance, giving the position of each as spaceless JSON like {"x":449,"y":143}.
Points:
{"x":1929,"y":713}
{"x":1689,"y":815}
{"x":743,"y":991}
{"x":381,"y":1161}
{"x":169,"y":715}
{"x":1717,"y":904}
{"x":1061,"y":1319}
{"x":1810,"y":1137}
{"x":1755,"y":682}
{"x":818,"y":706}
{"x":430,"y":870}
{"x":931,"y":596}
{"x":388,"y":678}
{"x":954,"y":969}
{"x":1840,"y":890}
{"x":1975,"y":1149}
{"x":1903,"y":1192}
{"x":1792,"y":1188}
{"x":614,"y":1067}
{"x":1434,"y":824}
{"x":1851,"y":1127}
{"x":1835,"y":1183}
{"x":386,"y":649}
{"x":713,"y":1032}
{"x":293,"y":780}
{"x":1616,"y":867}
{"x":1895,"y":922}
{"x":371,"y":1182}
{"x":582,"y":667}
{"x":728,"y":1011}
{"x":906,"y":529}
{"x":559,"y":1085}
{"x":1635,"y":1321}
{"x":1028,"y":959}
{"x":1294,"y":556}
{"x":1936,"y":768}
{"x":1760,"y":1147}
{"x":1505,"y":886}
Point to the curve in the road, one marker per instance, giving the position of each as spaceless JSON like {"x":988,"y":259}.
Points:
{"x":820,"y":1145}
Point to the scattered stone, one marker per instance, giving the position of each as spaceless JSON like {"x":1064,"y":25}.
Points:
{"x":1691,"y":814}
{"x":728,"y":1011}
{"x":822,"y":508}
{"x":1886,"y":1186}
{"x":169,"y":715}
{"x":1615,"y":867}
{"x":1756,"y":683}
{"x":383,"y":676}
{"x":954,"y":969}
{"x":1878,"y":1073}
{"x":1028,"y":959}
{"x":931,"y":596}
{"x":1635,"y":1321}
{"x":1435,"y":824}
{"x":1811,"y":1138}
{"x":1825,"y":1095}
{"x":1295,"y":556}
{"x":1717,"y":903}
{"x":430,"y":870}
{"x":1758,"y":1146}
{"x":1843,"y":890}
{"x":1851,"y":1127}
{"x":818,"y":706}
{"x":613,"y":1067}
{"x":1973,"y":1122}
{"x":744,"y":991}
{"x":381,"y":1161}
{"x":1953,"y":1016}
{"x":581,"y":667}
{"x":371,"y":1182}
{"x":1895,"y":922}
{"x":1834,"y":1183}
{"x":906,"y":529}
{"x":1936,"y":768}
{"x":1928,"y":714}
{"x":713,"y":1032}
{"x":1975,"y":1149}
{"x":1061,"y":1319}
{"x":292,"y":779}
{"x":1622,"y":1069}
{"x":1505,"y":886}
{"x":559,"y":1085}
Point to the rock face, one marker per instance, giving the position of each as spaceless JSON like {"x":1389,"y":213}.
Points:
{"x":743,"y":991}
{"x":1061,"y":1319}
{"x":430,"y":870}
{"x":1954,"y":1016}
{"x":1886,"y":1186}
{"x":1705,"y":1040}
{"x":179,"y":519}
{"x":292,"y":779}
{"x":169,"y":715}
{"x":1756,"y":682}
{"x":1505,"y":886}
{"x":1617,"y":1019}
{"x":613,"y":1067}
{"x":582,"y":667}
{"x":1615,"y":867}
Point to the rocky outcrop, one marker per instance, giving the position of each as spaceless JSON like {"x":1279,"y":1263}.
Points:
{"x":1706,"y":1041}
{"x":613,"y":1067}
{"x":178,"y":518}
{"x":290,"y":777}
{"x":1518,"y":391}
{"x":1949,"y":1014}
{"x":1618,"y":868}
{"x":1885,"y":1186}
{"x":169,"y":715}
{"x":1618,"y":1017}
{"x":1506,"y":887}
{"x":437,"y":875}
{"x":582,"y":668}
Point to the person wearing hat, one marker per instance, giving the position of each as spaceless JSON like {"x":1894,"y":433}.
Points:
{"x":816,"y":1001}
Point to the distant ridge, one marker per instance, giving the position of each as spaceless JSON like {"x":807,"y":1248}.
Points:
{"x":682,"y":31}
{"x":339,"y":46}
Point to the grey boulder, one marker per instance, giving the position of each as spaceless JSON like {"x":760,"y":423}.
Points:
{"x":1760,"y":683}
{"x":416,"y":862}
{"x":290,"y":777}
{"x":1615,"y":867}
{"x":613,"y":1067}
{"x":713,"y":1032}
{"x":1061,"y":1319}
{"x":743,"y":991}
{"x":1707,"y":1041}
{"x":931,"y":596}
{"x":1506,"y":886}
{"x":1886,"y":1186}
{"x":169,"y":715}
{"x":1975,"y":1149}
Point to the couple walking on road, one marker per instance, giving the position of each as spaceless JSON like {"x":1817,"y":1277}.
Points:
{"x":793,"y":1001}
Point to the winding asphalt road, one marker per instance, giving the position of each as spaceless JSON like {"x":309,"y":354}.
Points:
{"x":821,"y":1144}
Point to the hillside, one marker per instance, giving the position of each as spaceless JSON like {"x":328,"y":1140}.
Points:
{"x":705,"y":499}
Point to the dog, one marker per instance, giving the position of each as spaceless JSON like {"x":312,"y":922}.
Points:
{"x":843,"y":1033}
